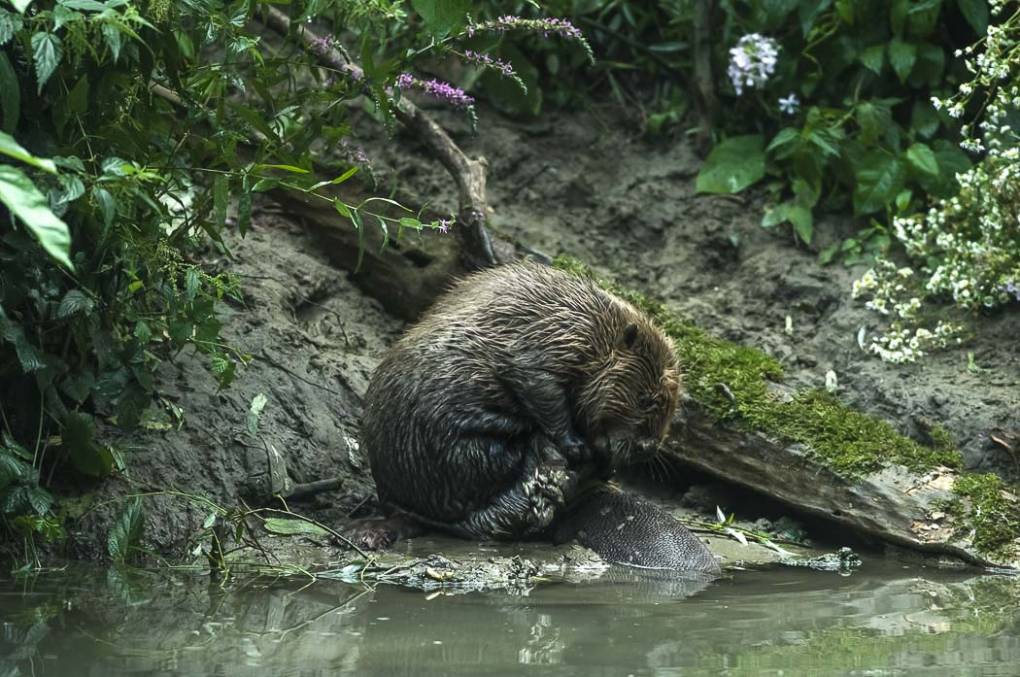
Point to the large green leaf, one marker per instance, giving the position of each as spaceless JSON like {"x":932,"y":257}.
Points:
{"x":922,"y":159}
{"x":21,"y":5}
{"x":976,"y":14}
{"x":25,"y":201}
{"x":733,"y":165}
{"x":293,"y":527}
{"x":11,"y":148}
{"x":88,"y":457}
{"x":126,"y":531}
{"x":47,"y":50}
{"x":880,"y":176}
{"x":442,"y":16}
{"x":902,"y":56}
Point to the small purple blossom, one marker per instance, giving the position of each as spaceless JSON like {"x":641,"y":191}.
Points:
{"x":487,"y":61}
{"x":545,"y":27}
{"x":437,"y":89}
{"x":323,"y":43}
{"x":752,"y":61}
{"x":443,"y":225}
{"x":789,"y":105}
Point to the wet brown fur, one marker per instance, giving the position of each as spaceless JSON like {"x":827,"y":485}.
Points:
{"x":519,"y":383}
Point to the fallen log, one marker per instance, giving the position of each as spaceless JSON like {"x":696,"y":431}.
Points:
{"x":895,"y":504}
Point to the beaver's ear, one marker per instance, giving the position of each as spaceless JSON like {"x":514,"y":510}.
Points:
{"x":629,"y":335}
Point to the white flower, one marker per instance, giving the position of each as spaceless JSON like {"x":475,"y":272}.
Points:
{"x":752,"y":61}
{"x":789,"y":105}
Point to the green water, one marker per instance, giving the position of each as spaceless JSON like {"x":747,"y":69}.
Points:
{"x":879,"y":621}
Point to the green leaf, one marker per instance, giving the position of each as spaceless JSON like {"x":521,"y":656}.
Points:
{"x":902,"y":56}
{"x":286,"y":168}
{"x":733,"y":165}
{"x":11,"y":469}
{"x":258,"y":403}
{"x":244,"y":213}
{"x":11,"y":148}
{"x":224,"y":369}
{"x":126,"y":531}
{"x":923,"y":119}
{"x":880,"y":176}
{"x":47,"y":50}
{"x":11,"y":445}
{"x":220,"y":187}
{"x":113,"y":39}
{"x":782,"y":142}
{"x":293,"y":527}
{"x":976,"y":14}
{"x":75,"y":302}
{"x":10,"y":93}
{"x":87,"y":457}
{"x":873,"y":58}
{"x":921,"y":158}
{"x":25,"y":201}
{"x":192,"y":283}
{"x":442,"y":17}
{"x":40,"y":499}
{"x":9,"y":25}
{"x":21,"y":5}
{"x":107,"y":205}
{"x":84,"y":5}
{"x":28,"y":355}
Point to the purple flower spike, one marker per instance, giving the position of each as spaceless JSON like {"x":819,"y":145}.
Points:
{"x":437,"y":89}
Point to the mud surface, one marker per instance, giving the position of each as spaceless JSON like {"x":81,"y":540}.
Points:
{"x":575,"y":183}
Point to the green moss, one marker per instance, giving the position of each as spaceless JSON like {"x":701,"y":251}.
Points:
{"x":983,"y":504}
{"x":736,"y":384}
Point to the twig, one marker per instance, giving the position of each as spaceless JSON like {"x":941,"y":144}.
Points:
{"x":467,"y":173}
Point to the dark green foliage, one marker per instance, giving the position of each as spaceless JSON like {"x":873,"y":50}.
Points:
{"x":864,"y":137}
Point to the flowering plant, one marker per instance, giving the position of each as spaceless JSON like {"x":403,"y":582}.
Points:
{"x":964,"y":249}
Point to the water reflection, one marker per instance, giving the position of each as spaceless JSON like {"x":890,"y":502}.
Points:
{"x":879,"y":622}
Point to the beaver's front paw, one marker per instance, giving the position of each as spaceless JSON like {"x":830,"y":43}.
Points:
{"x":547,"y":490}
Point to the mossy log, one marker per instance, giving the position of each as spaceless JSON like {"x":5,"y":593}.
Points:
{"x":916,"y":510}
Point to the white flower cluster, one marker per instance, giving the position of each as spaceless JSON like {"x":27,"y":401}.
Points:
{"x":752,"y":61}
{"x":967,"y":247}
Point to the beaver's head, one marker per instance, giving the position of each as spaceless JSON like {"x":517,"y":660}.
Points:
{"x":628,"y":401}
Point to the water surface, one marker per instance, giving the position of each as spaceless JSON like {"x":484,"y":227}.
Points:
{"x":882,"y":620}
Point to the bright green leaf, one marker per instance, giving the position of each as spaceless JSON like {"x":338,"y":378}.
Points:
{"x":126,"y":531}
{"x":902,"y":56}
{"x":21,"y":5}
{"x":872,"y":58}
{"x":11,"y":148}
{"x":880,"y":176}
{"x":921,"y":158}
{"x":47,"y":50}
{"x":733,"y":165}
{"x":293,"y":527}
{"x":25,"y":201}
{"x":976,"y":14}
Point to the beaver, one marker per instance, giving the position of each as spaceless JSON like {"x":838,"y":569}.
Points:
{"x":520,"y":386}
